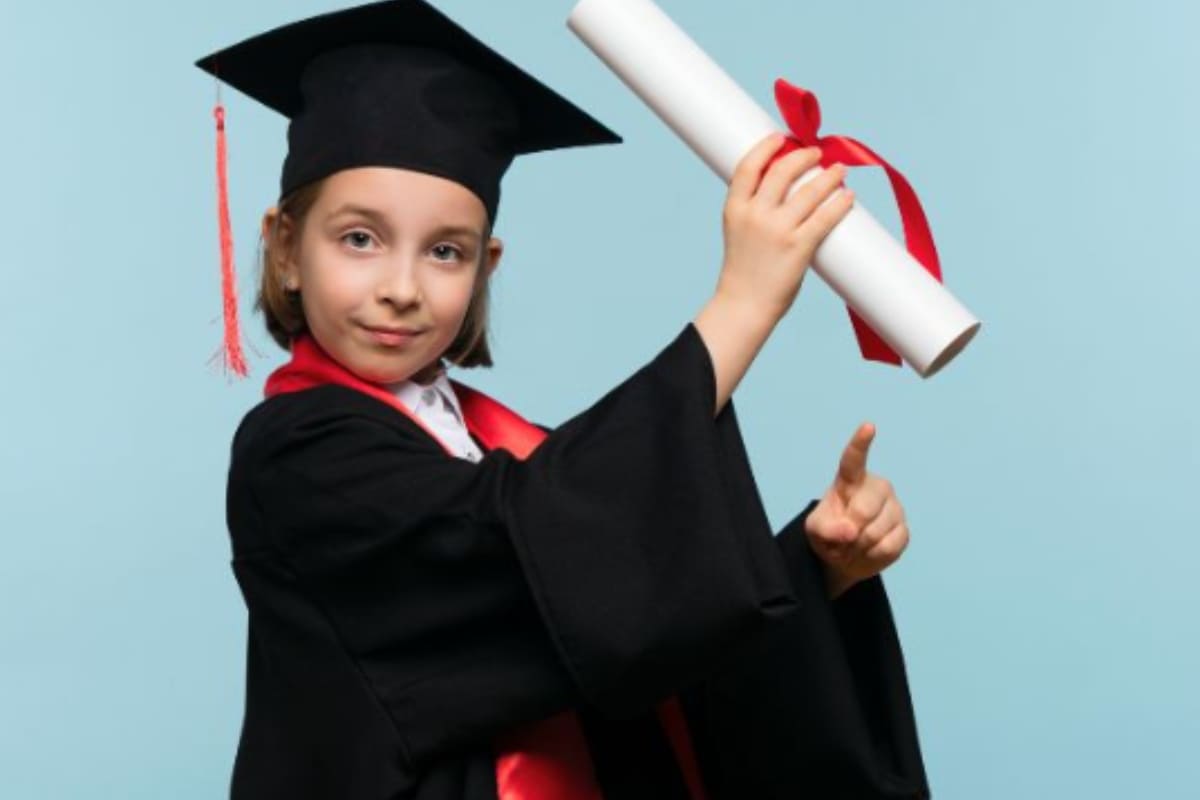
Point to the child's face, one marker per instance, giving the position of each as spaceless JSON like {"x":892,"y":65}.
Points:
{"x":387,"y":250}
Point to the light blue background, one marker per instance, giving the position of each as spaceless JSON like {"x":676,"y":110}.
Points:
{"x":1047,"y":603}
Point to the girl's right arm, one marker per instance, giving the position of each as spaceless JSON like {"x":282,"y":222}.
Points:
{"x":770,"y":239}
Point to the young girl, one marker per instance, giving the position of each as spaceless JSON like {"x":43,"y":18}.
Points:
{"x":446,"y":601}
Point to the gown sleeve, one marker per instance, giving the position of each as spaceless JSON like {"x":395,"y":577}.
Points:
{"x":818,"y":705}
{"x":611,"y":567}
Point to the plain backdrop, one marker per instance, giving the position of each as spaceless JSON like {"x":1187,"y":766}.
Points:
{"x":1047,"y":603}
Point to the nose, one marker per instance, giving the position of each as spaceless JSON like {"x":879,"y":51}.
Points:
{"x":399,"y":283}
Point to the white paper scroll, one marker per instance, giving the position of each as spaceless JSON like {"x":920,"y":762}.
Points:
{"x":860,"y":260}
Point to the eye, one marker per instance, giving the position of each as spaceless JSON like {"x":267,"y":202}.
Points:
{"x":358,"y":239}
{"x":447,"y":252}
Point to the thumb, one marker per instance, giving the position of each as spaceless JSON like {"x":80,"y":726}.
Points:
{"x":847,"y":531}
{"x":852,"y":469}
{"x":838,"y":540}
{"x":830,"y":528}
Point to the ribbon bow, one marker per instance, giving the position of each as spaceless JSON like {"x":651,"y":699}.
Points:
{"x":802,"y":113}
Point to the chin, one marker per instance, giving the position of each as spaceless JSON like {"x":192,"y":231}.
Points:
{"x":375,"y":367}
{"x":382,"y":374}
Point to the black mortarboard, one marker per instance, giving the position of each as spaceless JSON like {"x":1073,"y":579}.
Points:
{"x":400,"y":84}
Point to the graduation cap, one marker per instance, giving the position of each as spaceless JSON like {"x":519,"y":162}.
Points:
{"x":392,"y":84}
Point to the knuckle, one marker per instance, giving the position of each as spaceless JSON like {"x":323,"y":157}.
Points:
{"x":744,"y":215}
{"x":735,"y":211}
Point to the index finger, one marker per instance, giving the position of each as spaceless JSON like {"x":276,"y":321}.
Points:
{"x":852,"y":469}
{"x":749,"y":170}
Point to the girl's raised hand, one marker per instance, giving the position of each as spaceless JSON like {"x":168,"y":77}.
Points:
{"x":858,"y":528}
{"x":770,"y":237}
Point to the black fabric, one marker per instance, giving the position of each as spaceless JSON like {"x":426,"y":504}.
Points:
{"x":819,"y":705}
{"x":399,"y":84}
{"x":407,"y":606}
{"x":633,"y":758}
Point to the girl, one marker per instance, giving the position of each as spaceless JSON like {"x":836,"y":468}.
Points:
{"x":446,"y":601}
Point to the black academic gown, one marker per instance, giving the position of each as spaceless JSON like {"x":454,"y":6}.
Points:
{"x":406,"y":607}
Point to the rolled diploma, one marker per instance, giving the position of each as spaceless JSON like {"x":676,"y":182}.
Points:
{"x":859,"y":259}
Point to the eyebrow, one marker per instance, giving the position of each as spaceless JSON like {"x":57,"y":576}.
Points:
{"x":362,"y":211}
{"x":379,"y":219}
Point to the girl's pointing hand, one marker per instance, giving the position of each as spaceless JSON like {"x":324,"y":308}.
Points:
{"x":858,"y":528}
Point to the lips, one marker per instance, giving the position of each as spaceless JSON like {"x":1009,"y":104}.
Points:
{"x":392,"y":336}
{"x":396,"y":331}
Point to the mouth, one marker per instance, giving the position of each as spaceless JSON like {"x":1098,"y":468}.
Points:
{"x":392,"y":336}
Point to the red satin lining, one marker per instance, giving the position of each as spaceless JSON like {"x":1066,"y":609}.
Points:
{"x":543,"y":760}
{"x":670,"y":716}
{"x":802,"y":113}
{"x":546,"y":760}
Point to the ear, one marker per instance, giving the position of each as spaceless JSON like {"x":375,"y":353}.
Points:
{"x":271,"y":218}
{"x":495,"y":249}
{"x":268,"y":220}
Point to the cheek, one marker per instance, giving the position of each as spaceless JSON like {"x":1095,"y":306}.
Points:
{"x":334,"y":284}
{"x":454,"y":295}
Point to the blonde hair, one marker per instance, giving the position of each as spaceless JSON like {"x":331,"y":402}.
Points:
{"x":284,"y":313}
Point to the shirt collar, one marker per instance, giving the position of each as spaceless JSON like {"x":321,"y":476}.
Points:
{"x":411,"y":393}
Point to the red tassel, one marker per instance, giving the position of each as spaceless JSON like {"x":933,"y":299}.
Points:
{"x":235,"y":359}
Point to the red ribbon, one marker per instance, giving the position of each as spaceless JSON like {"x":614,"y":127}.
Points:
{"x":802,"y":113}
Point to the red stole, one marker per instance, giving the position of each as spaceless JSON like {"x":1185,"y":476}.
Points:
{"x":543,"y":760}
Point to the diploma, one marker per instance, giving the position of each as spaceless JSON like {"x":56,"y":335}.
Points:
{"x":873,"y":273}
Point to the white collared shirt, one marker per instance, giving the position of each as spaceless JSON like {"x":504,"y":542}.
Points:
{"x":437,"y":406}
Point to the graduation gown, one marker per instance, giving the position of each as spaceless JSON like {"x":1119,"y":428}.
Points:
{"x":408,"y":610}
